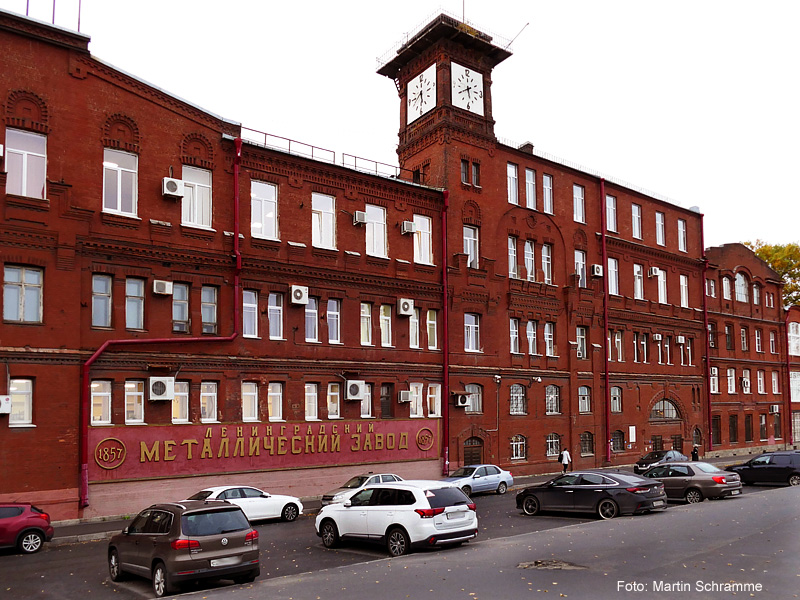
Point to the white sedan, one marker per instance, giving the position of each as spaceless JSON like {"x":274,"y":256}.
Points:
{"x":256,"y":504}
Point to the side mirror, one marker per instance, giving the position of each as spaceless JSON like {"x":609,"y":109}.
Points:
{"x":347,"y":504}
{"x":125,"y":531}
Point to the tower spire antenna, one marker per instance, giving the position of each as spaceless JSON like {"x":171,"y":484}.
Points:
{"x":516,"y":36}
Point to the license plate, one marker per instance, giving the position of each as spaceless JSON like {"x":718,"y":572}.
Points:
{"x":736,"y":492}
{"x":658,"y":503}
{"x":456,"y":515}
{"x":225,"y":562}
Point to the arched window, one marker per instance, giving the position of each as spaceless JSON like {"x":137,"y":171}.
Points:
{"x":553,"y":444}
{"x":697,"y":437}
{"x":518,"y":401}
{"x":584,"y":399}
{"x":552,"y":400}
{"x":519,"y":447}
{"x":664,"y":409}
{"x":741,"y":287}
{"x":616,"y":399}
{"x":475,"y":395}
{"x":618,"y":441}
{"x":587,"y":443}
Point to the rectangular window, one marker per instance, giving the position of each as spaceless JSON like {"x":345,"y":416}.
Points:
{"x":684,"y":283}
{"x":579,"y":208}
{"x":729,"y":337}
{"x":249,"y":401}
{"x":465,"y":171}
{"x":618,"y":346}
{"x":550,"y":338}
{"x":530,"y":261}
{"x":547,"y":194}
{"x":264,"y":210}
{"x":661,"y":239}
{"x":644,"y":340}
{"x":636,"y":221}
{"x":275,"y":316}
{"x":120,"y":182}
{"x":662,"y":286}
{"x":134,"y":303}
{"x":731,"y":381}
{"x":26,"y":163}
{"x":611,"y":213}
{"x":415,"y":407}
{"x":312,"y":409}
{"x":776,"y":426}
{"x":745,"y":381}
{"x":711,"y":288}
{"x":794,"y":339}
{"x":530,"y":188}
{"x":413,"y":329}
{"x":726,"y":288}
{"x":334,"y":401}
{"x":733,"y":428}
{"x":714,"y":380}
{"x":638,"y":282}
{"x":332,"y":315}
{"x":275,"y":401}
{"x":511,"y":176}
{"x":180,"y":308}
{"x":366,"y":402}
{"x":613,"y":276}
{"x":748,"y":428}
{"x":712,"y":334}
{"x":423,"y":240}
{"x":513,"y":269}
{"x":180,"y":402}
{"x":761,"y":383}
{"x":743,"y":338}
{"x":22,"y":294}
{"x":472,"y":338}
{"x":762,"y":427}
{"x":366,"y":324}
{"x":101,"y":402}
{"x":756,"y":294}
{"x":513,"y":329}
{"x":208,"y":308}
{"x":433,"y":342}
{"x":376,"y":231}
{"x":134,"y":402}
{"x":773,"y":343}
{"x":584,"y":399}
{"x":635,"y":347}
{"x":616,"y":399}
{"x":386,"y":325}
{"x":547,"y":267}
{"x":250,"y":313}
{"x":530,"y":333}
{"x":471,"y":246}
{"x":208,"y":402}
{"x":101,"y":300}
{"x":580,"y":337}
{"x":682,"y":235}
{"x":759,"y":341}
{"x":580,"y":267}
{"x":775,"y":383}
{"x":196,"y":207}
{"x":21,"y":392}
{"x":312,"y":320}
{"x":434,"y":400}
{"x":716,"y":430}
{"x":323,"y":221}
{"x":476,"y":174}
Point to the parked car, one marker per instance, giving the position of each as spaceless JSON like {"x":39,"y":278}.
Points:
{"x":606,"y":493}
{"x":355,"y":484}
{"x":695,"y":481}
{"x":771,"y":467}
{"x":183,"y":541}
{"x":256,"y":504}
{"x":481,"y":478}
{"x":658,"y":457}
{"x":403,"y":515}
{"x":23,"y":526}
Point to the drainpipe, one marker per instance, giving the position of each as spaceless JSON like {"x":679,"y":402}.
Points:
{"x":85,"y":380}
{"x":787,"y":384}
{"x":607,"y":391}
{"x":707,"y":365}
{"x":445,"y":345}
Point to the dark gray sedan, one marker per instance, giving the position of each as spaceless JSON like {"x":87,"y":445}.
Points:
{"x":695,"y":481}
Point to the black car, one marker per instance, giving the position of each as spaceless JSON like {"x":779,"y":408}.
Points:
{"x":772,"y":467}
{"x":606,"y":493}
{"x":658,"y":457}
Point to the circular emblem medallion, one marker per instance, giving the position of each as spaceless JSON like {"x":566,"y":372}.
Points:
{"x":425,"y":439}
{"x":109,"y":453}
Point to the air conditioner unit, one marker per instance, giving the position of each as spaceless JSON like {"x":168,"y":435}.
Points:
{"x":355,"y":389}
{"x":597,"y":270}
{"x":652,"y":272}
{"x":405,"y":307}
{"x":161,"y":388}
{"x":359,"y":217}
{"x":461,"y":400}
{"x":404,"y":396}
{"x":5,"y":405}
{"x":299,"y":294}
{"x":164,"y":288}
{"x":172,"y":187}
{"x":679,"y":339}
{"x":408,"y":227}
{"x":657,"y":337}
{"x":774,"y":409}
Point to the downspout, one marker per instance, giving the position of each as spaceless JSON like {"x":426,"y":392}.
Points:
{"x":707,"y":365}
{"x":787,"y":385}
{"x":606,"y":377}
{"x":445,"y":345}
{"x":86,"y":382}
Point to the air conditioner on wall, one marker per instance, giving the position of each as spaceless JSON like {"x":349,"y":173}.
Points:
{"x":172,"y":187}
{"x":461,"y":400}
{"x":299,"y":294}
{"x":679,"y":339}
{"x":355,"y":389}
{"x":774,"y":409}
{"x":408,"y":227}
{"x":657,"y":337}
{"x":161,"y":388}
{"x":405,"y":307}
{"x":404,"y":396}
{"x":161,"y":287}
{"x":359,"y":217}
{"x":652,"y":272}
{"x":597,"y":270}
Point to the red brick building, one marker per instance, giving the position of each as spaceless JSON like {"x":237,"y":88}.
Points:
{"x":793,"y":365}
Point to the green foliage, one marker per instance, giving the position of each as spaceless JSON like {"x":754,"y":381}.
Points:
{"x":785,"y":261}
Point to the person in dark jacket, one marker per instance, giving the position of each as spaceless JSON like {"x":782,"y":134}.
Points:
{"x":695,"y":454}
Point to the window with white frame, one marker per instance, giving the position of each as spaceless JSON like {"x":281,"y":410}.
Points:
{"x":743,"y":338}
{"x":578,"y":204}
{"x":464,"y":171}
{"x":518,"y":402}
{"x":636,"y":221}
{"x":731,"y":381}
{"x":794,"y":339}
{"x":761,"y":382}
{"x":472,"y":332}
{"x":21,"y":392}
{"x":580,"y":267}
{"x":366,"y":402}
{"x":413,"y":328}
{"x":661,"y":230}
{"x":550,"y":338}
{"x":264,"y":210}
{"x":514,"y":335}
{"x":530,"y":333}
{"x":547,"y":264}
{"x":101,"y":402}
{"x":580,"y":338}
{"x":311,"y":402}
{"x":196,"y":207}
{"x":726,"y":288}
{"x":530,"y":261}
{"x":662,"y":286}
{"x":513,"y":269}
{"x":746,"y":381}
{"x":616,"y":399}
{"x":275,"y":401}
{"x":759,"y":341}
{"x":26,"y":163}
{"x":519,"y":447}
{"x":794,"y":386}
{"x":334,"y":401}
{"x":530,"y":188}
{"x":208,"y":308}
{"x":180,"y":308}
{"x":120,"y":182}
{"x":471,"y":246}
{"x":474,"y":397}
{"x":250,"y":313}
{"x":312,"y":320}
{"x":511,"y":177}
{"x":613,"y":276}
{"x":134,"y":402}
{"x":101,"y":300}
{"x":332,"y":316}
{"x":415,"y":406}
{"x":423,"y":240}
{"x":275,"y":316}
{"x":638,"y":282}
{"x":682,"y":245}
{"x":476,"y":174}
{"x":741,"y":288}
{"x":711,"y":288}
{"x":208,"y":402}
{"x":552,"y":400}
{"x":584,"y":399}
{"x":769,"y":300}
{"x":386,"y":325}
{"x":134,"y":303}
{"x":366,"y":324}
{"x":22,"y":294}
{"x":714,"y":380}
{"x":773,"y":343}
{"x":249,"y":401}
{"x":553,"y":444}
{"x":644,"y":347}
{"x":432,"y":328}
{"x":180,"y":402}
{"x":434,"y":400}
{"x":611,"y":213}
{"x":376,"y":231}
{"x":547,"y":194}
{"x":684,"y":283}
{"x":756,"y":294}
{"x":323,"y":221}
{"x":775,"y":383}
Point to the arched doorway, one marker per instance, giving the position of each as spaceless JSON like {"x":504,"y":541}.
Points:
{"x":473,"y":451}
{"x":666,"y":426}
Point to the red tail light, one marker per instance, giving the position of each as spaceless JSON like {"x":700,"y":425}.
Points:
{"x":471,"y":506}
{"x":719,"y":478}
{"x":44,"y":516}
{"x":638,"y":490}
{"x":185,"y":544}
{"x":253,"y":535}
{"x":429,"y":513}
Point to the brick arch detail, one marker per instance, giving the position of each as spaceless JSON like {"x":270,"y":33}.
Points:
{"x":26,"y":110}
{"x":121,"y":132}
{"x":683,"y":413}
{"x":197,"y":151}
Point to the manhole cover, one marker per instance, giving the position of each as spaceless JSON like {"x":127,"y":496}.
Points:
{"x":552,"y":564}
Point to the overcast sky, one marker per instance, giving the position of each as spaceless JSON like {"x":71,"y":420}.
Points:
{"x":696,"y":100}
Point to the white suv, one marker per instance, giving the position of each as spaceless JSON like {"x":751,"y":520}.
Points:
{"x":402,"y":515}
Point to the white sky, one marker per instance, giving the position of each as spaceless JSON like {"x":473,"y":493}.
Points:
{"x":697,"y":100}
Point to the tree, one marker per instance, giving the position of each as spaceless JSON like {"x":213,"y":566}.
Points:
{"x":785,"y":261}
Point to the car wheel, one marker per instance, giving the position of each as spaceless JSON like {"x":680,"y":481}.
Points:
{"x":607,"y":509}
{"x":501,"y":489}
{"x":530,"y":505}
{"x":794,"y":479}
{"x":693,"y":496}
{"x":329,"y":534}
{"x":114,"y":571}
{"x":397,"y":542}
{"x":290,"y":512}
{"x":30,"y":542}
{"x":467,"y":490}
{"x":161,"y":583}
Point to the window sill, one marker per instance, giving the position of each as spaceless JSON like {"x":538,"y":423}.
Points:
{"x":368,"y":417}
{"x":251,"y":421}
{"x":21,"y":426}
{"x":416,"y":416}
{"x":251,"y":337}
{"x":275,"y":339}
{"x":198,"y":226}
{"x":314,"y":420}
{"x":335,"y":418}
{"x":208,"y":422}
{"x":313,"y":341}
{"x":277,"y":421}
{"x":135,"y":424}
{"x":101,"y":424}
{"x":187,"y":422}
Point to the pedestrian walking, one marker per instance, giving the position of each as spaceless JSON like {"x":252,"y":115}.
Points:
{"x":695,"y":454}
{"x":564,"y":458}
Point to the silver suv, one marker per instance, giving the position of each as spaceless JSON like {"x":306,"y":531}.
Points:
{"x":183,"y":541}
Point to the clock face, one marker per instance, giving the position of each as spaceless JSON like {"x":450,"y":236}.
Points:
{"x":467,"y":88}
{"x":421,"y":93}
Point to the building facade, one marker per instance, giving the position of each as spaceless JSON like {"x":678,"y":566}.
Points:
{"x":793,"y":365}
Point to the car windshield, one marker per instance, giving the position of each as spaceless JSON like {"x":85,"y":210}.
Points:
{"x":214,"y":522}
{"x":201,"y":495}
{"x":463,"y":472}
{"x":446,"y":496}
{"x":355,"y":482}
{"x":652,"y":456}
{"x":706,"y":468}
